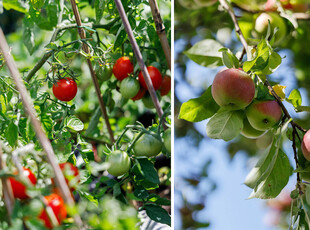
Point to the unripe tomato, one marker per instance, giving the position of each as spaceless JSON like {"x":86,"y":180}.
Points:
{"x":122,"y":68}
{"x":71,"y":174}
{"x":148,"y":102}
{"x":165,"y":86}
{"x":56,"y":203}
{"x":155,"y":76}
{"x":104,"y":73}
{"x":119,"y":163}
{"x":18,"y":188}
{"x":139,"y":95}
{"x":129,"y":87}
{"x":167,"y":139}
{"x":147,"y":145}
{"x":65,"y":89}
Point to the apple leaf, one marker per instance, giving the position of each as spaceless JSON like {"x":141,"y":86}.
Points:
{"x":229,"y":59}
{"x":295,"y":98}
{"x":206,"y":53}
{"x":225,"y":125}
{"x":200,"y":108}
{"x":271,"y":173}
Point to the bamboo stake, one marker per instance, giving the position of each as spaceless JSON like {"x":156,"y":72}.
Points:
{"x":7,"y":189}
{"x":45,"y":143}
{"x":160,"y":29}
{"x":92,"y":72}
{"x":138,"y":55}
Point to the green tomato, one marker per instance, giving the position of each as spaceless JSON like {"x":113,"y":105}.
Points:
{"x":167,"y":139}
{"x":147,"y":145}
{"x":119,"y":163}
{"x":103,"y":73}
{"x":129,"y":87}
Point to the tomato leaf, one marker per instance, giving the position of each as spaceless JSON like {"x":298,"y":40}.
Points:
{"x":12,"y":134}
{"x":157,"y":214}
{"x":120,"y":38}
{"x":225,"y":125}
{"x":28,"y":36}
{"x":148,"y":170}
{"x":93,"y":124}
{"x":141,"y":192}
{"x":271,"y":173}
{"x":206,"y":53}
{"x":99,"y":8}
{"x":17,"y":5}
{"x":74,"y":123}
{"x":200,"y":108}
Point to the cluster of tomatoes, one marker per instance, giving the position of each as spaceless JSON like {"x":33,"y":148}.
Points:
{"x":131,"y":87}
{"x":134,"y":88}
{"x":54,"y":200}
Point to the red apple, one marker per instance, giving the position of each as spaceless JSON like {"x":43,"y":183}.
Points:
{"x":305,"y":145}
{"x":262,"y":115}
{"x":233,"y":89}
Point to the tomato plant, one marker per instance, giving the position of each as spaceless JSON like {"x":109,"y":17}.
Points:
{"x":65,"y":89}
{"x":155,"y":76}
{"x":52,"y":52}
{"x":18,"y":187}
{"x":122,"y":68}
{"x":55,"y":202}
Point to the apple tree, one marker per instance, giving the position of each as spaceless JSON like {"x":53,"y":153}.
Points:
{"x":80,"y":111}
{"x":245,"y":102}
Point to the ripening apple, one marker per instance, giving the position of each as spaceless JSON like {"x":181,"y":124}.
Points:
{"x":293,"y":5}
{"x":233,"y":89}
{"x":305,"y":145}
{"x":249,"y":132}
{"x":262,"y":115}
{"x":261,"y":25}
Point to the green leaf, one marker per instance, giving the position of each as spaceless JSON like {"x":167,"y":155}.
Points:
{"x":295,"y":98}
{"x":74,"y":123}
{"x":200,"y":108}
{"x":47,"y":122}
{"x":151,"y":32}
{"x":157,"y":214}
{"x":148,"y":170}
{"x":225,"y":125}
{"x":89,"y":197}
{"x":120,"y":38}
{"x":93,"y":122}
{"x":46,"y":18}
{"x":271,"y":173}
{"x":229,"y":59}
{"x":28,"y":36}
{"x":132,"y":22}
{"x":99,"y":8}
{"x":141,"y":192}
{"x":303,"y":109}
{"x":116,"y":190}
{"x":158,"y":200}
{"x":206,"y":53}
{"x":17,"y":5}
{"x":12,"y":134}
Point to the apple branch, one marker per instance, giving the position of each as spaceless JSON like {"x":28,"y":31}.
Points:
{"x":268,"y":85}
{"x":92,"y":72}
{"x":43,"y":140}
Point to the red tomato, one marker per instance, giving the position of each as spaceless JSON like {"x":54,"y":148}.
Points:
{"x":122,"y":68}
{"x":56,"y":203}
{"x":65,"y":89}
{"x":70,"y":173}
{"x":165,"y":86}
{"x":155,"y":76}
{"x":139,"y":95}
{"x":18,"y":188}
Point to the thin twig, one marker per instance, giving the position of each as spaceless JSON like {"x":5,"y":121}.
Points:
{"x":160,"y":29}
{"x":92,"y":72}
{"x":138,"y":55}
{"x":29,"y":108}
{"x":296,"y":159}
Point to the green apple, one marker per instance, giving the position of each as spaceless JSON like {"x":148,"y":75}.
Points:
{"x":262,"y":115}
{"x":261,"y":25}
{"x":233,"y":89}
{"x":249,"y":132}
{"x":305,"y":145}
